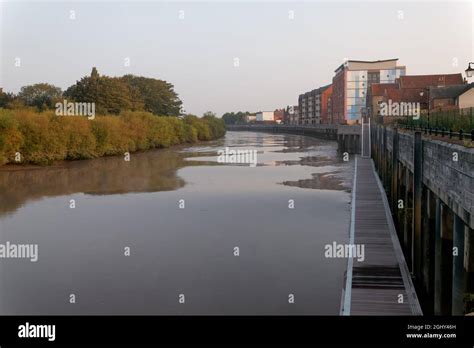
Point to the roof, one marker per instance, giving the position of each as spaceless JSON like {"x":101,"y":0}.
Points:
{"x":316,"y":91}
{"x":365,"y":61}
{"x":425,"y":81}
{"x":407,"y":95}
{"x":379,"y":89}
{"x":449,"y":91}
{"x":372,"y":61}
{"x":323,"y":88}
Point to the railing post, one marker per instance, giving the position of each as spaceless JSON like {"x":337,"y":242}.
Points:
{"x":470,"y":118}
{"x":443,"y":260}
{"x":395,"y":170}
{"x":438,"y":255}
{"x":417,"y":197}
{"x":384,"y":156}
{"x":459,"y":274}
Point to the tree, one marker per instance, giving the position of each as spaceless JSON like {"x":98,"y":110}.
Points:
{"x":6,"y":99}
{"x":94,"y":73}
{"x":41,"y":95}
{"x":234,"y":118}
{"x":216,"y":125}
{"x":110,"y":94}
{"x":158,"y":96}
{"x":209,"y":114}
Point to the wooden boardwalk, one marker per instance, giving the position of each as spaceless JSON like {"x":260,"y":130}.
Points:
{"x":376,"y":285}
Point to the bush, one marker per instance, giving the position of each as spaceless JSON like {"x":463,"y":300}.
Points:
{"x":42,"y":138}
{"x":11,"y":138}
{"x":201,"y":126}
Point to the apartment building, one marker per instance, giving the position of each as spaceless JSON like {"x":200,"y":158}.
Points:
{"x":326,"y":105}
{"x":310,"y":105}
{"x":290,"y":114}
{"x":250,"y":118}
{"x":263,"y":116}
{"x":351,"y":83}
{"x":279,"y":115}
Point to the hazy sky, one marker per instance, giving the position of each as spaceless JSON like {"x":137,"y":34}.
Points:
{"x":279,"y":57}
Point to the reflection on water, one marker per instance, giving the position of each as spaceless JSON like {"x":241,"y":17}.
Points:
{"x":135,"y":204}
{"x":149,"y":171}
{"x":319,"y":180}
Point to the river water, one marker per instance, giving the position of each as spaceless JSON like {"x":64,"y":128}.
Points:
{"x":128,"y":247}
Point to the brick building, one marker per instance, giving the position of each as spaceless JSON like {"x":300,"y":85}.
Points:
{"x":410,"y":89}
{"x":326,"y":105}
{"x":310,"y":105}
{"x":451,"y":97}
{"x":291,"y":115}
{"x":279,"y":115}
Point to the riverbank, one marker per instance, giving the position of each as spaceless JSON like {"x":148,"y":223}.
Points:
{"x":29,"y":137}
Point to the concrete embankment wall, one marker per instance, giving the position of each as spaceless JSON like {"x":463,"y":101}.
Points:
{"x":347,"y":137}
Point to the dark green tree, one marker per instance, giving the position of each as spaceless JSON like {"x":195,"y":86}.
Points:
{"x":234,"y":118}
{"x":41,"y":95}
{"x":6,"y":99}
{"x":110,"y":94}
{"x":158,"y":96}
{"x":216,"y":125}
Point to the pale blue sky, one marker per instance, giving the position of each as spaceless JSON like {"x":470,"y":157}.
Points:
{"x":279,"y":57}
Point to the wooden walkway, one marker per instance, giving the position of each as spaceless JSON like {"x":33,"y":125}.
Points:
{"x":375,"y":286}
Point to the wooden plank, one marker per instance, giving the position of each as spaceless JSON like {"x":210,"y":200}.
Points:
{"x":378,"y":281}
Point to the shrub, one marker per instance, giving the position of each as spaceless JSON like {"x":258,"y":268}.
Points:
{"x":42,"y":138}
{"x":201,"y":126}
{"x":11,"y":138}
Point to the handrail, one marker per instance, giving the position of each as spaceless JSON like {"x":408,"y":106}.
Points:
{"x":461,"y":135}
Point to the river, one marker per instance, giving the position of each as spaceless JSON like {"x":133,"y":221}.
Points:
{"x":129,"y":248}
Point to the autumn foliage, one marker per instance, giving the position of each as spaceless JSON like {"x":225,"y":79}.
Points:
{"x":41,"y":138}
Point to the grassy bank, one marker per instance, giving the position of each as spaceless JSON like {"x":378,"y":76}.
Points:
{"x":41,"y":138}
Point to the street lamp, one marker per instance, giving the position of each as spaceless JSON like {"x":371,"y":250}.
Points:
{"x":469,"y":70}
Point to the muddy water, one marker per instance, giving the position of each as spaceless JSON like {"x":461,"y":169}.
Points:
{"x":129,"y":248}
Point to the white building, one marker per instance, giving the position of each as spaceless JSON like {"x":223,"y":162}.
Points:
{"x":250,"y":118}
{"x":265,"y":116}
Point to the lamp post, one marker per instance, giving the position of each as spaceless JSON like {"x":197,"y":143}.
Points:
{"x":469,"y":70}
{"x":470,"y":73}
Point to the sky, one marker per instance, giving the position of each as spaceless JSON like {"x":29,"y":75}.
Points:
{"x":283,"y":49}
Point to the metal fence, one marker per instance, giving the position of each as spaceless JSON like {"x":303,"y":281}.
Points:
{"x":457,"y":124}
